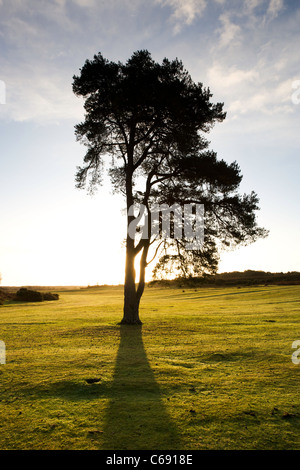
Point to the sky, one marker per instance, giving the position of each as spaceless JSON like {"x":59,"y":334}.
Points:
{"x":246,"y":52}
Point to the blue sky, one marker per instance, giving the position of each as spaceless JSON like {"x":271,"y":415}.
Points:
{"x":247,"y":52}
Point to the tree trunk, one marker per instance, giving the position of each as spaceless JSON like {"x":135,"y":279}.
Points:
{"x":131,"y":299}
{"x":131,"y":296}
{"x":143,"y":264}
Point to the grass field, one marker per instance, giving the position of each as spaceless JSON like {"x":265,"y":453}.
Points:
{"x":210,"y":368}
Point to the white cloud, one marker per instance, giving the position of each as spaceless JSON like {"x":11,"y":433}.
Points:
{"x":229,"y":32}
{"x":41,"y":98}
{"x":250,"y":5}
{"x":252,"y":90}
{"x":228,"y":78}
{"x":18,"y":19}
{"x":275,"y":6}
{"x":184,"y":11}
{"x":85,"y":3}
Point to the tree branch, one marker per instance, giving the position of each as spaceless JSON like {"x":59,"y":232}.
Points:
{"x":156,"y":251}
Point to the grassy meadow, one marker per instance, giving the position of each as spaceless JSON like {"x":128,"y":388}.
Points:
{"x":210,"y":368}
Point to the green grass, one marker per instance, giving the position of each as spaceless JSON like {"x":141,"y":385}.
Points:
{"x":209,"y":369}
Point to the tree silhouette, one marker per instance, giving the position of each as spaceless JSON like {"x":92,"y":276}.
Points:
{"x":151,"y":119}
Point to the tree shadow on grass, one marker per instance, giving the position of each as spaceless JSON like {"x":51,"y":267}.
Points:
{"x":136,"y":417}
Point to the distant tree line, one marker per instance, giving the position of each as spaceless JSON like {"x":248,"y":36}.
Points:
{"x":247,"y":278}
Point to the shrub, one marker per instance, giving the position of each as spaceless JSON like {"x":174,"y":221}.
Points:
{"x":50,"y":296}
{"x":5,"y":295}
{"x":27,"y":295}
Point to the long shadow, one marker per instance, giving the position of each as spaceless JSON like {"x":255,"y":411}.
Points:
{"x":136,"y":417}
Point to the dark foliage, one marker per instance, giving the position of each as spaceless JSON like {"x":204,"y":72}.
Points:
{"x":5,"y":295}
{"x":50,"y":296}
{"x":235,"y":278}
{"x":28,"y":295}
